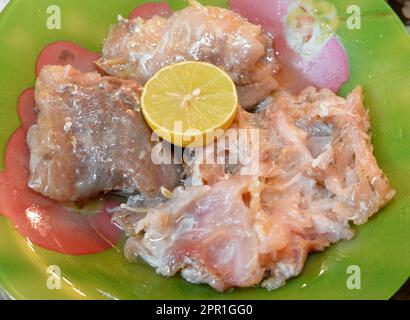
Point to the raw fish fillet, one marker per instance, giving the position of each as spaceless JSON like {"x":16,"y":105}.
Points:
{"x":316,"y":174}
{"x":137,"y":49}
{"x":91,"y":138}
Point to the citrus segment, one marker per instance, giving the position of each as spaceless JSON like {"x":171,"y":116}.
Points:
{"x":187,"y":102}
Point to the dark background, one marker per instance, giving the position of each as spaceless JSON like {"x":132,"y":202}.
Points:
{"x":402,"y":8}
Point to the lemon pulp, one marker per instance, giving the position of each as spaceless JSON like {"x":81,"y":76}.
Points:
{"x":186,"y":103}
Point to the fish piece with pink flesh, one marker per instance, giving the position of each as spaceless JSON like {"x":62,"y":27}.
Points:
{"x":138,"y":48}
{"x":45,"y":222}
{"x":91,"y":138}
{"x":188,"y":234}
{"x":316,"y":174}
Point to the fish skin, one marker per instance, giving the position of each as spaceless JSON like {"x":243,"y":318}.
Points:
{"x":91,"y":138}
{"x":317,"y":174}
{"x":137,"y":49}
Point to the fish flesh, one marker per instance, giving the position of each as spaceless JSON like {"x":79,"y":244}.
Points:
{"x":316,"y":175}
{"x":137,"y":49}
{"x":91,"y":138}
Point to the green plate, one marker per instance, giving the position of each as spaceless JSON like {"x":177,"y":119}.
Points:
{"x":379,"y":55}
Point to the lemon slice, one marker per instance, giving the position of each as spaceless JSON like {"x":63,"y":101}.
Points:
{"x":186,"y":103}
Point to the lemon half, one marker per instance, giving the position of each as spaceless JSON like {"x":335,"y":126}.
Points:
{"x":186,"y":103}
